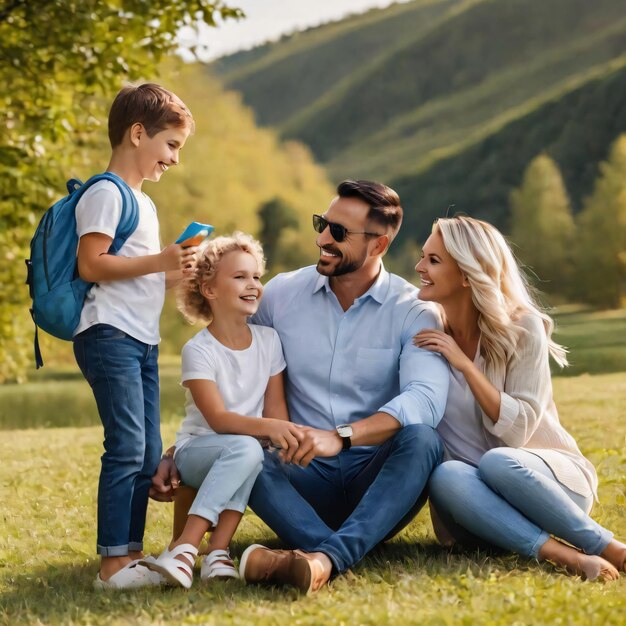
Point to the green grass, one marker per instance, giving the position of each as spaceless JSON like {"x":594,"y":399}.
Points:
{"x":57,"y":398}
{"x":48,"y":484}
{"x":596,"y":341}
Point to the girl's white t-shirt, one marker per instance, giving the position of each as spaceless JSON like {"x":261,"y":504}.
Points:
{"x":241,"y":376}
{"x":134,"y":304}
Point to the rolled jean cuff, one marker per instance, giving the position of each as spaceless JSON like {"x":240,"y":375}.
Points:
{"x":113,"y":550}
{"x":236,"y":505}
{"x":604,"y":539}
{"x":543,"y":537}
{"x":135,"y":546}
{"x":210,"y":515}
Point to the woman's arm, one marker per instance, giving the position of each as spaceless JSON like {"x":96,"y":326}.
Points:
{"x":487,"y":396}
{"x":209,"y":401}
{"x":527,"y":389}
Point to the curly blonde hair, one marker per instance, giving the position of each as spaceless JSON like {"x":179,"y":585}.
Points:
{"x":500,"y":291}
{"x":191,"y":303}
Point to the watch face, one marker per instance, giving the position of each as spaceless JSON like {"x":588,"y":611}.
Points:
{"x":345,"y":430}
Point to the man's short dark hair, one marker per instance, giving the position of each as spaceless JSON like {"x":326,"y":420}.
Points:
{"x":383,"y":201}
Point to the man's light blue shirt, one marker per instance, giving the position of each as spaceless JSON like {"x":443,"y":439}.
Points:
{"x":343,"y":366}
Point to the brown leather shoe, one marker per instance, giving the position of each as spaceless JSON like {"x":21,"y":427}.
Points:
{"x":287,"y":567}
{"x":317,"y":575}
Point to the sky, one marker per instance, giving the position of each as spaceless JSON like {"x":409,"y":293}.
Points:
{"x":269,"y":19}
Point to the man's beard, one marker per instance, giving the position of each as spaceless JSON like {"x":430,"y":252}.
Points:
{"x":342,"y":268}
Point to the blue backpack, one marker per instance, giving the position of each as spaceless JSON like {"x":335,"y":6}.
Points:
{"x":57,"y":291}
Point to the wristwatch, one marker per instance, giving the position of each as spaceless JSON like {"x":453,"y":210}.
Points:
{"x":345,"y":432}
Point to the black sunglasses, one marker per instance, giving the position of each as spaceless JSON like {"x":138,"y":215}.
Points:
{"x":337,"y":231}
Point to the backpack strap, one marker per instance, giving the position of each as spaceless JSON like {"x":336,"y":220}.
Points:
{"x":130,"y":208}
{"x":73,"y":184}
{"x":37,"y":349}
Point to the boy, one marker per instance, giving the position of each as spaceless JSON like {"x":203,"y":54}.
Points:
{"x":115,"y":343}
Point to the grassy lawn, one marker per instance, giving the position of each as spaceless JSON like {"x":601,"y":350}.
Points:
{"x":47,"y":563}
{"x":596,"y":340}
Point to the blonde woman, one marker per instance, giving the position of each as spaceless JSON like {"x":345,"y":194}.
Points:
{"x":514,"y":476}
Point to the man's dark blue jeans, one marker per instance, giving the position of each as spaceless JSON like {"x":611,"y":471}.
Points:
{"x":345,"y":505}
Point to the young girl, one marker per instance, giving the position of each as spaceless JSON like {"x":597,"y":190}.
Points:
{"x":233,"y":375}
{"x":516,"y":476}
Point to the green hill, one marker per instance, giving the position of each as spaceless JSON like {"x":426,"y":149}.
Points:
{"x":282,"y":81}
{"x":448,"y":100}
{"x":576,"y":129}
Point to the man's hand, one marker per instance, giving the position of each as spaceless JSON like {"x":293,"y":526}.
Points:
{"x":315,"y":442}
{"x":165,"y":481}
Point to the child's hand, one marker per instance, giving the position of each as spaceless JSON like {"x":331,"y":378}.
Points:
{"x":284,"y":435}
{"x":165,"y":481}
{"x":175,"y":257}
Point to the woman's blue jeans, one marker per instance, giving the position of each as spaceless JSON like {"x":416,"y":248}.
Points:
{"x":512,"y":500}
{"x":123,"y":374}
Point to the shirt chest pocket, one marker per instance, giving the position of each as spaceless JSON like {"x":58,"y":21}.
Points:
{"x":375,"y":367}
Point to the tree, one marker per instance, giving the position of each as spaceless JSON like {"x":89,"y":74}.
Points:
{"x":602,"y":227}
{"x":59,"y":59}
{"x":275,"y":216}
{"x":542,"y":225}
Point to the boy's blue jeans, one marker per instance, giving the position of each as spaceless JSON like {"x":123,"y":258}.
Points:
{"x":123,"y":374}
{"x":345,"y":505}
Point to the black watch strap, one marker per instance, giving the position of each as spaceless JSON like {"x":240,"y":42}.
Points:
{"x":346,"y":440}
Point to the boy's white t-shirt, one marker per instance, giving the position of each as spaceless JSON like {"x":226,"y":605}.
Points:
{"x":241,"y":376}
{"x":134,"y":304}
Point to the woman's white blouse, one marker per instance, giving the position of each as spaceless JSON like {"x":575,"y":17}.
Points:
{"x":465,"y":439}
{"x":528,"y":417}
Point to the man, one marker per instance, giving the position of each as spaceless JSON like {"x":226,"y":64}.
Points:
{"x":367,"y":399}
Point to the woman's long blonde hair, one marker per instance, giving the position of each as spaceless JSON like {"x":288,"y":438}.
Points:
{"x":500,"y":291}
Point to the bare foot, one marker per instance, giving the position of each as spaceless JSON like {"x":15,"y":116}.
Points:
{"x":588,"y":566}
{"x":615,"y":553}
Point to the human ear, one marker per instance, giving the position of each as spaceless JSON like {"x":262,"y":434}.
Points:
{"x":136,"y":132}
{"x":207,"y":291}
{"x":381,"y":245}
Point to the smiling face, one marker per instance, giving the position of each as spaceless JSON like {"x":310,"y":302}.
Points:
{"x":157,"y":153}
{"x":235,"y":288}
{"x":441,"y":278}
{"x":339,"y":258}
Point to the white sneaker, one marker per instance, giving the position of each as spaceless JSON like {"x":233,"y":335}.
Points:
{"x":131,"y":576}
{"x":218,"y":564}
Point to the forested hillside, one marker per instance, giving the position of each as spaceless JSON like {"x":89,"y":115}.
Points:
{"x":449,"y":100}
{"x":576,"y":129}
